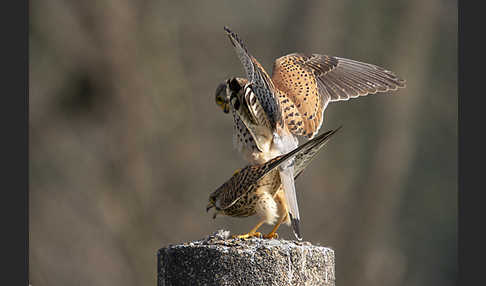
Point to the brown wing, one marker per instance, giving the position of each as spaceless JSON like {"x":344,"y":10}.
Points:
{"x":311,"y":82}
{"x":239,"y":184}
{"x":246,"y":180}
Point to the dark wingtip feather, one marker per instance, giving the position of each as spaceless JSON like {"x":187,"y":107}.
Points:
{"x":400,"y":82}
{"x":296,"y":227}
{"x":235,"y":39}
{"x":230,"y":35}
{"x":277,"y":161}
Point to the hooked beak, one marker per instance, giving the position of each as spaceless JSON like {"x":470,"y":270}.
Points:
{"x":226,"y":108}
{"x":209,"y":206}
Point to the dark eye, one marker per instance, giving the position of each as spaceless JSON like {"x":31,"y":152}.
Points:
{"x":219,"y":100}
{"x":234,"y":85}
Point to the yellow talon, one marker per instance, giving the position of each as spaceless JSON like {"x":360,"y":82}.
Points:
{"x":271,"y":235}
{"x":253,"y":232}
{"x":248,"y":235}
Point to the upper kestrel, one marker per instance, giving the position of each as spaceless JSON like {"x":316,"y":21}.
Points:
{"x":269,"y":113}
{"x":256,"y":188}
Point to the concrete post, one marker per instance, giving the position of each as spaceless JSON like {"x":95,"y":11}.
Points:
{"x":217,"y":260}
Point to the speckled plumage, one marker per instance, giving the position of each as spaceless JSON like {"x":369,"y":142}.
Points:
{"x":302,"y":85}
{"x":257,"y":189}
{"x":273,"y":110}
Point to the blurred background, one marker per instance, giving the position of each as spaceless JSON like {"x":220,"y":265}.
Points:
{"x":126,"y":142}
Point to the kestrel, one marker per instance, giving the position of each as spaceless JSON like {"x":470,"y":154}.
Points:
{"x":270,"y":112}
{"x":256,"y":189}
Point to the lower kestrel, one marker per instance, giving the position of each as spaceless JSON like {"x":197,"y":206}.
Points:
{"x":256,"y":189}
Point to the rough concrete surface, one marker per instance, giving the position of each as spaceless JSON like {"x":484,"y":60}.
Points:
{"x":219,"y":260}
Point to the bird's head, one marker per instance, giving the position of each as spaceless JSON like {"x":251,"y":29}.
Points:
{"x":211,"y":203}
{"x":227,"y":92}
{"x":214,"y":201}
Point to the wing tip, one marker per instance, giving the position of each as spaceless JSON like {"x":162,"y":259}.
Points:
{"x":328,"y":134}
{"x":397,"y":80}
{"x":235,"y":40}
{"x":231,"y":36}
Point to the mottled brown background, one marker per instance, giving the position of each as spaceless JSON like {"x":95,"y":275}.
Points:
{"x":126,"y":142}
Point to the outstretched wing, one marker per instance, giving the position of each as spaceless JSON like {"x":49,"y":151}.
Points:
{"x":259,"y":79}
{"x":309,"y":83}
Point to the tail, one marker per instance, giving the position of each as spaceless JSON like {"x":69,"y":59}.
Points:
{"x":286,"y":142}
{"x":292,"y":164}
{"x":287,"y":179}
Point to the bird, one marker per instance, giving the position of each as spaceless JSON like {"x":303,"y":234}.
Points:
{"x":256,"y":189}
{"x":271,"y":113}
